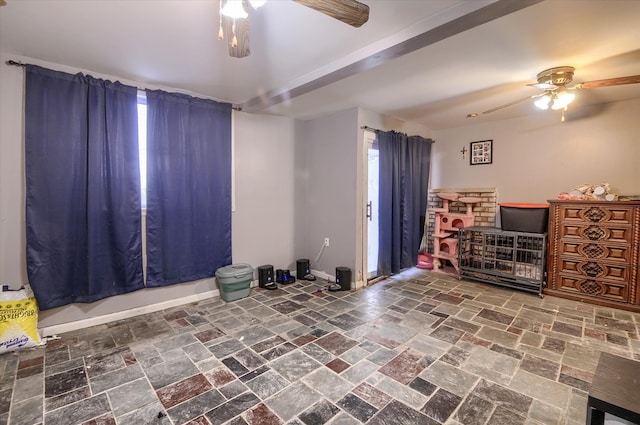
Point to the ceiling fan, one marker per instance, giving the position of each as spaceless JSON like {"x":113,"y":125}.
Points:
{"x":234,"y":18}
{"x":555,"y":92}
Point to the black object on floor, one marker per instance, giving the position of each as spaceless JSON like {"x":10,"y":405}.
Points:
{"x":288,"y":281}
{"x":265,"y":276}
{"x":334,"y":287}
{"x":309,"y":277}
{"x":270,"y":286}
{"x":614,"y":390}
{"x":302,"y":268}
{"x":283,"y":276}
{"x":343,"y":278}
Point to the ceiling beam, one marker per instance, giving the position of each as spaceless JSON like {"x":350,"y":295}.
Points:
{"x":485,"y":14}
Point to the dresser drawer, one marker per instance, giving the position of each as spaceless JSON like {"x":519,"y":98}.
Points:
{"x":594,"y":269}
{"x":578,"y":249}
{"x":595,"y":288}
{"x":597,"y":214}
{"x":595,"y":232}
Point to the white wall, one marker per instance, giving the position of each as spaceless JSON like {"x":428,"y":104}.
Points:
{"x":537,"y":157}
{"x":263,"y":219}
{"x":260,"y":143}
{"x":325,"y":190}
{"x":12,"y":247}
{"x":330,"y":186}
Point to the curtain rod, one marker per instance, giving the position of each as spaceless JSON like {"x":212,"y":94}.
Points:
{"x":233,"y":106}
{"x":366,"y":127}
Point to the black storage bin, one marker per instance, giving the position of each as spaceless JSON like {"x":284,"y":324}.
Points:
{"x":302,"y":268}
{"x":529,"y":218}
{"x":343,"y":278}
{"x":265,"y":275}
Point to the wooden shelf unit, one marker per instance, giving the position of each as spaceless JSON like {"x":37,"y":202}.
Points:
{"x":594,"y":252}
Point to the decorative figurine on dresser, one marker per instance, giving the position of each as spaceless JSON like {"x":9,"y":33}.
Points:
{"x":594,"y":252}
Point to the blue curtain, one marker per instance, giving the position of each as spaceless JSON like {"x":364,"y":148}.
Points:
{"x":188,"y":187}
{"x":403,"y":184}
{"x":82,"y":188}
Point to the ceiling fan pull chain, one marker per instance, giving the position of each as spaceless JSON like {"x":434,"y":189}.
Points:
{"x":234,"y":40}
{"x":220,"y":32}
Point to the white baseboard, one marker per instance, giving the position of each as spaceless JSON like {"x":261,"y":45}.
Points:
{"x":332,"y":279}
{"x":126,"y":314}
{"x":152,"y":308}
{"x":323,"y":275}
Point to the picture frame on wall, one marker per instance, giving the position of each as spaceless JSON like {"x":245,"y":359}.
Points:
{"x":481,"y":152}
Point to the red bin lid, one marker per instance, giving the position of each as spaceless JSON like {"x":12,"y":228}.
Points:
{"x":519,"y":205}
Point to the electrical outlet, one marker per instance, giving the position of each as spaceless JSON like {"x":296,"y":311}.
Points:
{"x":326,"y":241}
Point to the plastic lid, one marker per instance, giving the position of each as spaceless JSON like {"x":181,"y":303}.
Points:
{"x":234,"y":270}
{"x":519,"y":205}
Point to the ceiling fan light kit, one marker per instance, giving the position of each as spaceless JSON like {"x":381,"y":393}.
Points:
{"x":555,"y":100}
{"x":554,"y":81}
{"x":557,"y":95}
{"x":257,"y":3}
{"x":543,"y":102}
{"x":233,"y":9}
{"x":562,"y":99}
{"x":236,"y":10}
{"x":351,"y":12}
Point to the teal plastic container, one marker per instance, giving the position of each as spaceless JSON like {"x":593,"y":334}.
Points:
{"x":234,"y":281}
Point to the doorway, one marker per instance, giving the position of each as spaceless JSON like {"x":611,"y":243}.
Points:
{"x":371,"y":230}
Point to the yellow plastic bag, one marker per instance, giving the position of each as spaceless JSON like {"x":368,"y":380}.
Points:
{"x":18,"y":320}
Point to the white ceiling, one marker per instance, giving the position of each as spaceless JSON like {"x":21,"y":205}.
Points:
{"x":319,"y":65}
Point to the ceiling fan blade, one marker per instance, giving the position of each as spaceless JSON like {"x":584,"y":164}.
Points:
{"x":241,"y":33}
{"x":515,"y":102}
{"x":543,"y":86}
{"x":632,"y":79}
{"x":350,"y":12}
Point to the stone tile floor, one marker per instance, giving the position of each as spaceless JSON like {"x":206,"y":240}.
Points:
{"x":418,"y":348}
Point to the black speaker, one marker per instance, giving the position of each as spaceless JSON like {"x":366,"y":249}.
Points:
{"x":302,"y":268}
{"x":265,"y":275}
{"x":343,"y":278}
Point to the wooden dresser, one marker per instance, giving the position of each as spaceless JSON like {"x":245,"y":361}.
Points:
{"x":594,"y":253}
